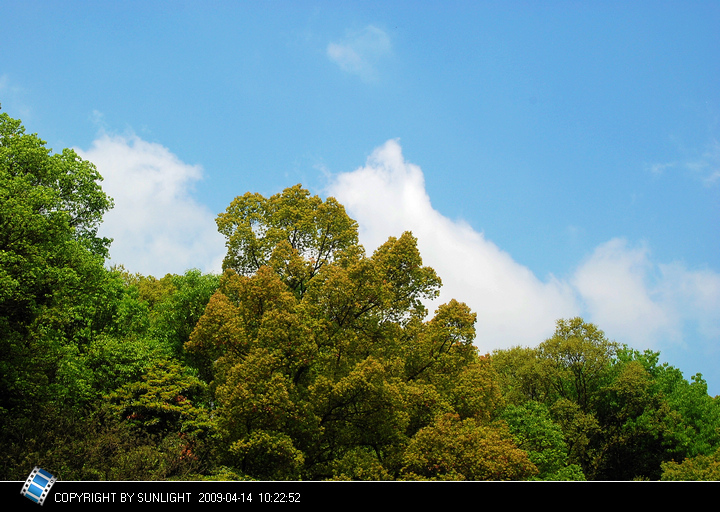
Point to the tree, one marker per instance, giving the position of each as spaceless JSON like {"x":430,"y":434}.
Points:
{"x":455,"y":449}
{"x":534,"y":431}
{"x":699,"y":429}
{"x":162,"y":401}
{"x":700,"y":467}
{"x":50,"y":209}
{"x":637,"y":427}
{"x":178,"y":302}
{"x":293,"y":232}
{"x":320,"y":357}
{"x":52,"y":279}
{"x":622,"y":413}
{"x":257,"y":411}
{"x":613,"y":423}
{"x":692,"y":426}
{"x":576,"y":360}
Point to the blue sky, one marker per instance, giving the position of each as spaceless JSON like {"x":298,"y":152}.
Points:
{"x":554,"y":159}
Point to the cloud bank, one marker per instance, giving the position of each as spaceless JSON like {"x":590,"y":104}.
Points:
{"x":635,"y":300}
{"x":156,"y":225}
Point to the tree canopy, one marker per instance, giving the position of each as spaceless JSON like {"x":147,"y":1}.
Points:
{"x":306,"y":358}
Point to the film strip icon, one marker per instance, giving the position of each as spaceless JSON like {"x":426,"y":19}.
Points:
{"x":38,"y":484}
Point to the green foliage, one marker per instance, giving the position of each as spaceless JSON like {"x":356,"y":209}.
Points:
{"x":637,"y":426}
{"x":176,"y":311}
{"x":621,"y":413}
{"x":268,"y":455}
{"x":359,"y":464}
{"x":102,"y":448}
{"x":295,"y":233}
{"x":575,"y":361}
{"x":162,"y":401}
{"x":306,"y":359}
{"x":700,"y":467}
{"x":534,"y":431}
{"x":50,"y":208}
{"x":321,"y":355}
{"x":72,"y":332}
{"x":52,"y":281}
{"x":698,"y":428}
{"x":455,"y":449}
{"x":114,"y":361}
{"x":581,"y":431}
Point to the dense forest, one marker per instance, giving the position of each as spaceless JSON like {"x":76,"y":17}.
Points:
{"x":306,"y":359}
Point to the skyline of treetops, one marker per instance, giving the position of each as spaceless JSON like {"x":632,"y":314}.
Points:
{"x":305,"y":359}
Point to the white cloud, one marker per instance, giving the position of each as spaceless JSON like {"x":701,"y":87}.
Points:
{"x":156,"y":225}
{"x":387,"y":196}
{"x":618,"y":287}
{"x":694,"y":295}
{"x":360,"y":52}
{"x":647,"y":304}
{"x":614,"y":284}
